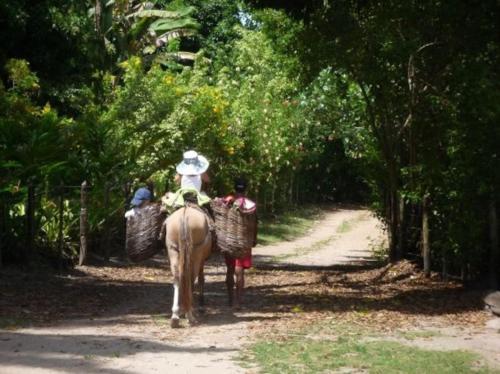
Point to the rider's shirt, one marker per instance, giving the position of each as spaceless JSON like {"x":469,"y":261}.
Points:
{"x":191,"y":181}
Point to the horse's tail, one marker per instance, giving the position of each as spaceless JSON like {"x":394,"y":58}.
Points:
{"x":185,"y":264}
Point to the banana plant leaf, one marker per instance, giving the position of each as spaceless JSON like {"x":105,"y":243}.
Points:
{"x":163,"y":25}
{"x":162,"y":13}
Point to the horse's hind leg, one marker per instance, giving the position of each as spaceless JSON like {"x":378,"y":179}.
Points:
{"x":201,"y":287}
{"x":190,"y":313}
{"x":174,"y":322}
{"x":174,"y":261}
{"x":191,"y":318}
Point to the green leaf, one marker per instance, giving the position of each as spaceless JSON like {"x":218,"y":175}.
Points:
{"x":162,"y":13}
{"x":164,"y":25}
{"x":174,"y":34}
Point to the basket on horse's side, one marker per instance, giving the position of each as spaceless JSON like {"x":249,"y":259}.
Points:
{"x":235,"y":228}
{"x":143,"y":230}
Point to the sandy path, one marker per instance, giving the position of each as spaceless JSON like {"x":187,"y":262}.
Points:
{"x":343,"y":236}
{"x":133,"y":344}
{"x":108,"y":346}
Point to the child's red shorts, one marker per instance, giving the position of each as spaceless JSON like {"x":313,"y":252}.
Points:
{"x":244,"y":262}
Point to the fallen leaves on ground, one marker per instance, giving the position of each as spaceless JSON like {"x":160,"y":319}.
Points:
{"x":385,"y":298}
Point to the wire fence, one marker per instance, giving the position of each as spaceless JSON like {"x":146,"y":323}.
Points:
{"x":62,"y":222}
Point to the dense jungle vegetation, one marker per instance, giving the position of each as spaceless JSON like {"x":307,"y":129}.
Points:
{"x":394,"y":104}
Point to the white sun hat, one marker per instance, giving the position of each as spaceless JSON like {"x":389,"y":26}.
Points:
{"x":192,"y":164}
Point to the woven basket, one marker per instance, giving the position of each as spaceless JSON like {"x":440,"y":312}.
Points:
{"x":235,"y":229}
{"x":143,"y":230}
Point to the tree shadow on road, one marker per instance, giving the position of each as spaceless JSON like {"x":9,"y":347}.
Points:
{"x":145,"y":290}
{"x":81,"y":352}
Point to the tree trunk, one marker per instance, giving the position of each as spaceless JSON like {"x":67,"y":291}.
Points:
{"x":98,"y":17}
{"x":401,"y":229}
{"x":444,"y":274}
{"x":426,"y":250}
{"x":83,"y":224}
{"x":273,"y":196}
{"x":394,"y":227}
{"x":297,"y":190}
{"x":494,"y":249}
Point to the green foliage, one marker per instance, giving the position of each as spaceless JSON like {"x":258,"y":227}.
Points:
{"x":34,"y":142}
{"x":23,"y":80}
{"x":417,"y":113}
{"x":126,"y":29}
{"x":357,"y":101}
{"x":30,"y":133}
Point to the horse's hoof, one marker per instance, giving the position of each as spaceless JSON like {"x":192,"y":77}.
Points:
{"x":191,"y":319}
{"x":174,"y":323}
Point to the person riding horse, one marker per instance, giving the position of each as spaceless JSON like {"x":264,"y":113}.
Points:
{"x":191,"y":174}
{"x":189,"y":234}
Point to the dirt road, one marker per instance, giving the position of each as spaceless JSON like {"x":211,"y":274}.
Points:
{"x":292,"y":283}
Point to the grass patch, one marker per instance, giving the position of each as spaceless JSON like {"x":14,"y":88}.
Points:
{"x":303,"y":251}
{"x":348,"y":225}
{"x":347,"y":349}
{"x":13,"y":323}
{"x":380,"y":250}
{"x":288,"y":225}
{"x":344,"y":227}
{"x":160,"y":319}
{"x":412,"y":335}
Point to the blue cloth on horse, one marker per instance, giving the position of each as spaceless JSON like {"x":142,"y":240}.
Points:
{"x":141,"y":195}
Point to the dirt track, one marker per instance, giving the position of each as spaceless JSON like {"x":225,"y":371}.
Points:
{"x":122,"y":324}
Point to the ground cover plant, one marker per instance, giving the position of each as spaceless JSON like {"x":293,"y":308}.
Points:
{"x":287,"y":225}
{"x":329,"y":346}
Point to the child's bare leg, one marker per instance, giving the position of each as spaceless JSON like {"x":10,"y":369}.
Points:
{"x":230,"y":283}
{"x":240,"y":284}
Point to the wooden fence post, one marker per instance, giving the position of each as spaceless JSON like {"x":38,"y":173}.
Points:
{"x":30,"y":222}
{"x":83,"y":224}
{"x":2,"y":225}
{"x":61,"y":225}
{"x":107,"y":228}
{"x":426,"y":250}
{"x":494,"y":249}
{"x":126,"y":195}
{"x":297,"y":190}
